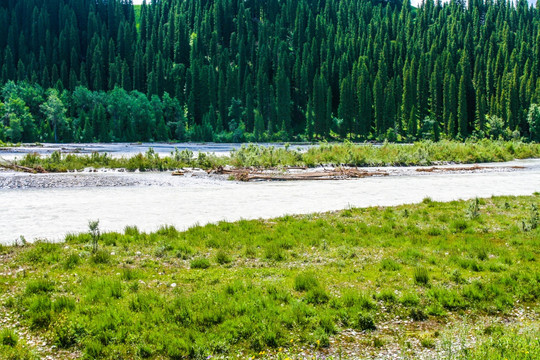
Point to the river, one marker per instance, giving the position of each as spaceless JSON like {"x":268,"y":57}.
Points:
{"x":149,"y":200}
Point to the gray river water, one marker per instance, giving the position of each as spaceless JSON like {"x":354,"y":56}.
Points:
{"x":149,"y":200}
{"x":126,"y":149}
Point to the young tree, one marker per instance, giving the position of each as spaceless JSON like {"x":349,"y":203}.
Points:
{"x":55,"y":114}
{"x":533,"y":119}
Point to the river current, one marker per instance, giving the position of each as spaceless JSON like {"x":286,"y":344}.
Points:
{"x":150,"y":200}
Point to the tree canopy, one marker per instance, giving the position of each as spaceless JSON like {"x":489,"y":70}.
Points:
{"x":247,"y":70}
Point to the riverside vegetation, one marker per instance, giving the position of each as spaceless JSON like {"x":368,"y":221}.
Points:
{"x":420,"y":153}
{"x":451,"y":280}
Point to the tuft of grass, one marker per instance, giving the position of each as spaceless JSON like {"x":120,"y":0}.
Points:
{"x":200,"y":263}
{"x":305,"y":281}
{"x":100,"y":257}
{"x":390,"y":265}
{"x":72,"y":261}
{"x":364,"y":322}
{"x":317,"y":295}
{"x":421,"y":276}
{"x":39,"y":286}
{"x":8,"y":337}
{"x":473,"y":209}
{"x":387,"y":295}
{"x":222,"y":257}
{"x":427,"y":341}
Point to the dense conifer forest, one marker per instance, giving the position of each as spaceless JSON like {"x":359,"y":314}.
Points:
{"x":254,"y":70}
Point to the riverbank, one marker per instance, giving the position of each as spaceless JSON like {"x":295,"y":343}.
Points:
{"x":270,"y":157}
{"x":457,"y":279}
{"x":90,"y":177}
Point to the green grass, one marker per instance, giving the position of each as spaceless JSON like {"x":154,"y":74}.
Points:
{"x":420,"y":153}
{"x":280,"y":287}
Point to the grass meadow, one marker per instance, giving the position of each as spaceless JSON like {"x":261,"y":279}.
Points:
{"x":456,"y":280}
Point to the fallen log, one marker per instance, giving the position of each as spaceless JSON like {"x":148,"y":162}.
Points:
{"x":465,"y":168}
{"x":335,"y":174}
{"x":32,"y":170}
{"x":11,"y":166}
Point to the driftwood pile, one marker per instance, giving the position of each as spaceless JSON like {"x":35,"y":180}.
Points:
{"x":11,"y":166}
{"x":462,"y":168}
{"x":326,"y":174}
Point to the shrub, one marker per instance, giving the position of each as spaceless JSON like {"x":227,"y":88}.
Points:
{"x":473,"y":210}
{"x":378,"y":342}
{"x":178,"y":349}
{"x":200,"y":263}
{"x":457,"y":277}
{"x":250,"y":251}
{"x":144,"y":351}
{"x":162,"y":250}
{"x":305,"y":281}
{"x":533,"y":118}
{"x":129,"y":274}
{"x":93,"y":227}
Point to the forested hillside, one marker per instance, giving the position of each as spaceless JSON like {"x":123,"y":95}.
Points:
{"x":252,"y":70}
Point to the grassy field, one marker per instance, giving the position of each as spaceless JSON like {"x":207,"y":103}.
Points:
{"x":458,"y":280}
{"x":421,"y":153}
